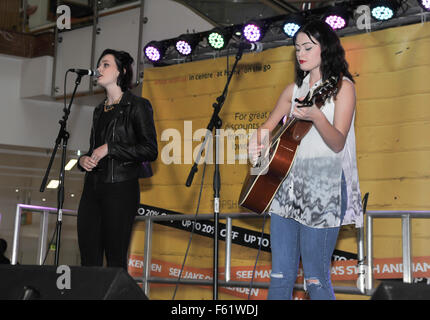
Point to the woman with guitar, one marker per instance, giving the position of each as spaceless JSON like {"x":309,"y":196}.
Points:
{"x":321,"y":191}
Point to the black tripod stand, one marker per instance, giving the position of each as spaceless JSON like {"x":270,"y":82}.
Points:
{"x":215,"y":122}
{"x":62,"y":138}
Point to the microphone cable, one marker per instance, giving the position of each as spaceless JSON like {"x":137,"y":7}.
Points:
{"x":258,"y":255}
{"x":191,"y":232}
{"x":49,"y":246}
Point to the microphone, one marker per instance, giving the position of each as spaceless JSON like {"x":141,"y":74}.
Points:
{"x":253,"y":46}
{"x":86,"y":72}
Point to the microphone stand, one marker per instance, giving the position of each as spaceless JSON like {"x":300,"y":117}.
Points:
{"x":62,"y":137}
{"x":215,"y":122}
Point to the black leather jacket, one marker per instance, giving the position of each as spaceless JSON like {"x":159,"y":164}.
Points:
{"x":131,"y":140}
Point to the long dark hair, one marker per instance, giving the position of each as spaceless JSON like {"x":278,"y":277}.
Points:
{"x":123,"y":62}
{"x":333,"y":61}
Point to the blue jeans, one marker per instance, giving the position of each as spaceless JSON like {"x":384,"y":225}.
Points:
{"x":290,"y":240}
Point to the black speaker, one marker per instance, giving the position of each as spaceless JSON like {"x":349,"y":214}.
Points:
{"x":75,"y":283}
{"x":391,"y":290}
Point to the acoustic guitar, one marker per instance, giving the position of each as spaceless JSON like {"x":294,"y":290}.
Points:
{"x":266,"y":175}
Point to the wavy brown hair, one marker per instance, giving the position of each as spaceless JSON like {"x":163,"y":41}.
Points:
{"x":333,"y":61}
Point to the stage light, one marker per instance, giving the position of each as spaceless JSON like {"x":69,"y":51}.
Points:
{"x":253,"y":31}
{"x":186,"y":43}
{"x":292,"y":24}
{"x":425,"y":4}
{"x":336,"y":17}
{"x":154,"y":51}
{"x":218,"y":38}
{"x":290,"y":28}
{"x":383,"y":10}
{"x":183,"y":47}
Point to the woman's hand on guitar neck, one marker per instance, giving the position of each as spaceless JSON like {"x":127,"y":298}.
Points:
{"x":311,"y":113}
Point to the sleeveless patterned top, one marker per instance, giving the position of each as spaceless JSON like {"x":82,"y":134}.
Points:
{"x":311,"y":193}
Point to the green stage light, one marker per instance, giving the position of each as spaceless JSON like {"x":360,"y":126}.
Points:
{"x":218,"y":38}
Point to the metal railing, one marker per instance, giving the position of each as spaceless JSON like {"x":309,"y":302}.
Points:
{"x":365,"y":275}
{"x":406,"y":240}
{"x":43,"y":231}
{"x":147,"y":279}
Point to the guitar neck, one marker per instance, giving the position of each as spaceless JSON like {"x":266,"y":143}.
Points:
{"x":315,"y":97}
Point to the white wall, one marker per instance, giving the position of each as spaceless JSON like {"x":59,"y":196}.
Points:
{"x":30,"y":122}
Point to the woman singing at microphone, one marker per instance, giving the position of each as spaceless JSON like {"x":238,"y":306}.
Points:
{"x":122,"y":142}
